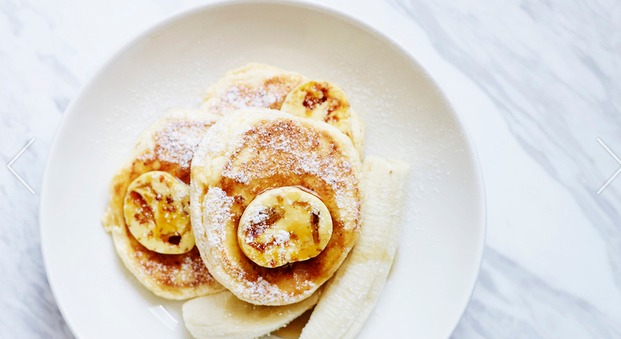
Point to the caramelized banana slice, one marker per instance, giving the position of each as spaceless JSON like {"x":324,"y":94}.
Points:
{"x":320,"y":100}
{"x":284,"y":225}
{"x":156,"y":212}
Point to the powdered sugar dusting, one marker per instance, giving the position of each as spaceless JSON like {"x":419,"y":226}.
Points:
{"x":259,"y":90}
{"x":236,"y":175}
{"x":212,"y":142}
{"x":243,"y":96}
{"x":217,"y":212}
{"x":257,"y":214}
{"x":281,"y":237}
{"x":177,"y":141}
{"x":187,"y":270}
{"x":253,"y":147}
{"x":304,"y":156}
{"x":262,"y":289}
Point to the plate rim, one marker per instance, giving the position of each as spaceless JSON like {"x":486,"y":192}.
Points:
{"x":327,"y":9}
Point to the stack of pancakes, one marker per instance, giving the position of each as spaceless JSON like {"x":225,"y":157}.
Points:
{"x":256,"y":195}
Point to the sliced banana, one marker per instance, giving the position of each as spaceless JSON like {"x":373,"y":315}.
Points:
{"x":352,"y":293}
{"x":156,"y":209}
{"x":284,"y":225}
{"x":223,"y":316}
{"x":320,"y":100}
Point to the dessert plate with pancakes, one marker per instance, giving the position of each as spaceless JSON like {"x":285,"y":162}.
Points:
{"x":235,"y":172}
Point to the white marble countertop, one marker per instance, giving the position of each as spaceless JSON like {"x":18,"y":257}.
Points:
{"x":535,"y":82}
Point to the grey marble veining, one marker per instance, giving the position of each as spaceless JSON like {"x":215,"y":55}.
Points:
{"x":535,"y":83}
{"x":29,"y":84}
{"x":511,"y":302}
{"x":553,"y":71}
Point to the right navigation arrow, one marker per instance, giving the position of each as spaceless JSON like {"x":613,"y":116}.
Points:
{"x":615,"y":174}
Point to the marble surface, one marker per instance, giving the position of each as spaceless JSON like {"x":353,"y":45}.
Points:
{"x":535,"y":82}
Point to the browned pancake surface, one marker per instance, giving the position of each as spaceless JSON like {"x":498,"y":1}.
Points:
{"x":276,"y":150}
{"x":254,"y":85}
{"x":168,"y":146}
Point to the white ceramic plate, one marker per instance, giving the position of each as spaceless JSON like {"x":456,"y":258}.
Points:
{"x":170,"y":66}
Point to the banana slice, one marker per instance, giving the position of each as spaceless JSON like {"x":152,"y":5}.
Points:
{"x":156,"y":212}
{"x":352,"y":293}
{"x":222,"y":315}
{"x":320,"y":100}
{"x":284,"y":225}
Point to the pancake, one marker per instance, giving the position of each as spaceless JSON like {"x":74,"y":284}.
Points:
{"x":253,"y":85}
{"x":249,"y":153}
{"x":263,"y":86}
{"x":164,"y":150}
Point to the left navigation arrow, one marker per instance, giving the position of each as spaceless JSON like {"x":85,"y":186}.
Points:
{"x":21,"y":151}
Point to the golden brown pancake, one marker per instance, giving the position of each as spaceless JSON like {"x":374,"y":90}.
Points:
{"x":253,"y":85}
{"x":167,"y":146}
{"x":263,"y":86}
{"x":249,"y":152}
